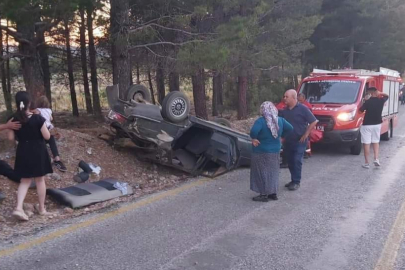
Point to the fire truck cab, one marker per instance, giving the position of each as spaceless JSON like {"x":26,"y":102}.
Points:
{"x":337,"y":95}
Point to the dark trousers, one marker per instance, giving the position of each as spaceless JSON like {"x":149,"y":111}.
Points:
{"x":8,"y":172}
{"x":284,"y":157}
{"x":52,"y":145}
{"x":294,"y":152}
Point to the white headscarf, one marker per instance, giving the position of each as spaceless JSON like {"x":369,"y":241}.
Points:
{"x":270,"y":113}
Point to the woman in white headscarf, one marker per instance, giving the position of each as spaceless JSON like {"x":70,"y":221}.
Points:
{"x":266,"y":133}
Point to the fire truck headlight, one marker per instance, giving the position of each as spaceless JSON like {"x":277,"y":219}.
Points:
{"x":347,"y":116}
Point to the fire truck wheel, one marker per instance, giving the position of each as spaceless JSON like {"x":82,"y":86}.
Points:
{"x":355,"y":149}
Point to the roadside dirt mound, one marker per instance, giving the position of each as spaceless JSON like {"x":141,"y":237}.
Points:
{"x":78,"y":140}
{"x":244,"y":125}
{"x":73,"y":146}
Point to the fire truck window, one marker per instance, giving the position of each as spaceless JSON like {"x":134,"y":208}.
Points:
{"x":365,"y":89}
{"x":331,"y":91}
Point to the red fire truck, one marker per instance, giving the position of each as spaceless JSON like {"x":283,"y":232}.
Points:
{"x":337,"y":95}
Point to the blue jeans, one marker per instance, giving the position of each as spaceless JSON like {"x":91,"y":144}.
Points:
{"x":295,"y":152}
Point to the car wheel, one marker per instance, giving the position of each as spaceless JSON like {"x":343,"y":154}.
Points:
{"x":139,"y":93}
{"x":175,"y":107}
{"x":223,"y":122}
{"x":356,"y":148}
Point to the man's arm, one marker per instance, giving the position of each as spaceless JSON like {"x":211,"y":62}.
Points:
{"x":363,"y":107}
{"x":308,"y":131}
{"x":311,"y":119}
{"x":10,"y":125}
{"x":384,"y":96}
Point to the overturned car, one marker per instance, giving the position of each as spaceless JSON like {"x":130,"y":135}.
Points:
{"x":168,"y":135}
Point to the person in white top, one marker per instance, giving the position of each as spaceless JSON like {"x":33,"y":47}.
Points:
{"x":43,"y":108}
{"x":47,"y":114}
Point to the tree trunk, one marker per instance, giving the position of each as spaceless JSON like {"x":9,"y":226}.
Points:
{"x":8,"y":67}
{"x":131,"y":77}
{"x":83,"y":58}
{"x":217,"y":86}
{"x":160,"y":82}
{"x":93,"y":63}
{"x":174,"y":81}
{"x":43,"y":54}
{"x":4,"y":87}
{"x":30,"y":63}
{"x":31,"y":69}
{"x":296,"y":83}
{"x":120,"y":38}
{"x":242,"y":90}
{"x":242,"y":77}
{"x":113,"y":31}
{"x":351,"y":56}
{"x":138,"y":75}
{"x":199,"y":94}
{"x":75,"y":109}
{"x":151,"y":86}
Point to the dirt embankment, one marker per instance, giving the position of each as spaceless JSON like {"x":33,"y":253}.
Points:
{"x":78,"y":141}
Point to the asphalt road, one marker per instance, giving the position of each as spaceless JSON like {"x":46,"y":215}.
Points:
{"x":342,"y":217}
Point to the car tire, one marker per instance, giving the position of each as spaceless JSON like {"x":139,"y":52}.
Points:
{"x":223,"y":122}
{"x":175,"y":107}
{"x":355,"y":149}
{"x":138,"y":93}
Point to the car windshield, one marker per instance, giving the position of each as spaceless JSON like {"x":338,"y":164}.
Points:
{"x":331,"y":91}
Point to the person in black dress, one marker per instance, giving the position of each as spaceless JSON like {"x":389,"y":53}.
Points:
{"x":32,"y":159}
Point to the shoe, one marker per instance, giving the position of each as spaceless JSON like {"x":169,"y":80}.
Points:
{"x":260,"y":198}
{"x":60,"y":166}
{"x":288,"y":184}
{"x":294,"y":186}
{"x":283,"y":165}
{"x":43,"y":213}
{"x":273,"y":197}
{"x":377,"y":163}
{"x":20,"y":215}
{"x":366,"y":166}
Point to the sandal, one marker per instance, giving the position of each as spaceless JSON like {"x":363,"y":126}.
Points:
{"x":43,"y":213}
{"x":20,"y":215}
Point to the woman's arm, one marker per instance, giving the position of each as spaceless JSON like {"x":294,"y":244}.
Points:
{"x":45,"y":132}
{"x":254,"y":131}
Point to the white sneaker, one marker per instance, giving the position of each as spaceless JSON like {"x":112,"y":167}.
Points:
{"x":377,"y":163}
{"x":366,"y":166}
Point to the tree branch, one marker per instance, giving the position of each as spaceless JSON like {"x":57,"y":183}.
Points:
{"x":168,"y":28}
{"x":165,"y":43}
{"x":46,"y":26}
{"x":159,"y":55}
{"x":17,"y":36}
{"x":6,"y":57}
{"x":267,"y":69}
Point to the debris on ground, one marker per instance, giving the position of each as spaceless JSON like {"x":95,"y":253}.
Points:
{"x":87,"y":138}
{"x":121,"y":164}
